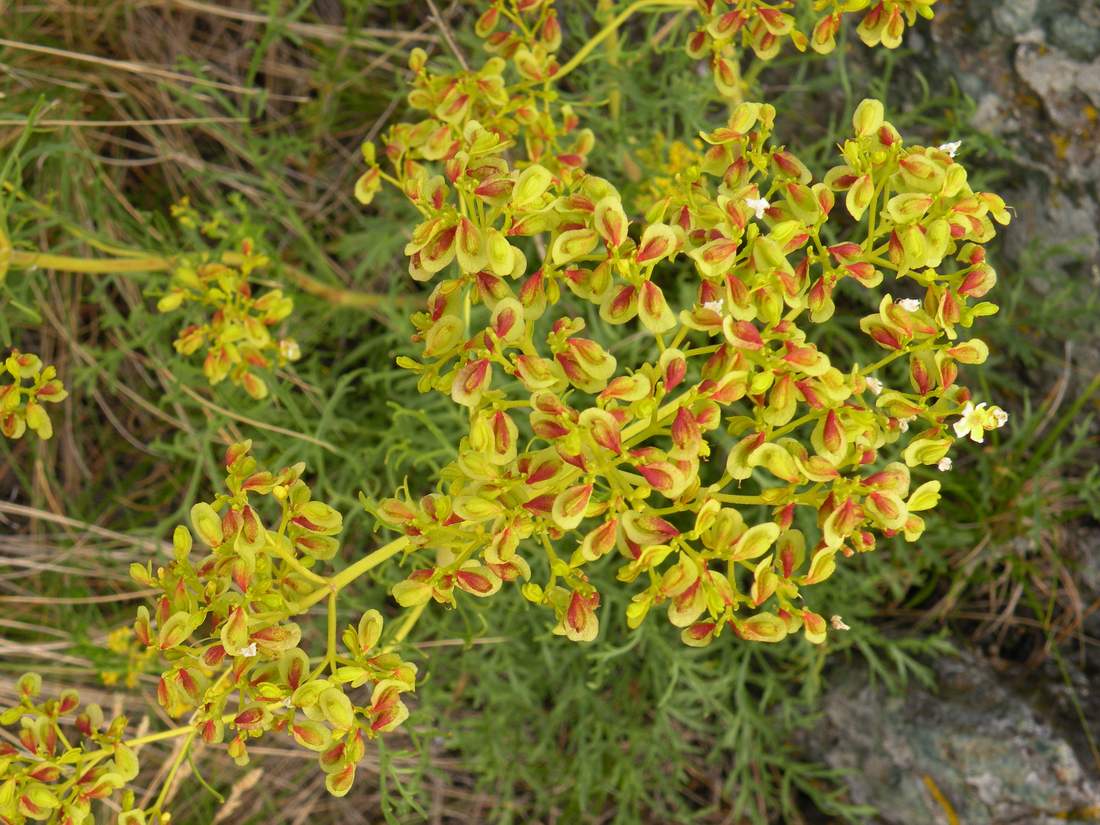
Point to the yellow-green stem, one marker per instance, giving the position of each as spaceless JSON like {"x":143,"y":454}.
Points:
{"x":147,"y":739}
{"x":351,"y":573}
{"x":286,"y":555}
{"x":614,"y":95}
{"x":90,"y":266}
{"x":171,"y":778}
{"x":613,"y":26}
{"x":350,"y":298}
{"x":408,"y":623}
{"x":893,"y":356}
{"x":730,"y":498}
{"x":330,"y":646}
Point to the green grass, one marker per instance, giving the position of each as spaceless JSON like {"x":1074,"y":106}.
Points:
{"x":511,"y":724}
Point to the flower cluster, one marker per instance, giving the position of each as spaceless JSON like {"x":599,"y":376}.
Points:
{"x":21,"y":404}
{"x":230,"y":611}
{"x":731,"y":469}
{"x":236,"y":334}
{"x":765,"y":25}
{"x":48,"y":774}
{"x":224,"y":626}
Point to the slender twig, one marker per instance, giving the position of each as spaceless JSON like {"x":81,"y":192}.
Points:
{"x":445,"y":30}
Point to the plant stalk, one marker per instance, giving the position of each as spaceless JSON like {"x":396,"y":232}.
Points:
{"x":353,"y":299}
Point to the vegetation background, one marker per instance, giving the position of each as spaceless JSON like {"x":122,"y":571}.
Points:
{"x":256,"y":110}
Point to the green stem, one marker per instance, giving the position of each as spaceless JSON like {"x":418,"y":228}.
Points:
{"x":407,"y":624}
{"x":351,"y":573}
{"x":155,"y":263}
{"x":730,"y":498}
{"x":288,"y":556}
{"x":798,"y":422}
{"x":91,"y":266}
{"x":330,"y":647}
{"x":893,"y":356}
{"x":149,"y":738}
{"x":613,"y":50}
{"x":170,"y":780}
{"x":613,"y":26}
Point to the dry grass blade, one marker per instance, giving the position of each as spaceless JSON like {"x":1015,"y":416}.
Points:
{"x":127,"y":124}
{"x":72,"y":600}
{"x":236,"y":795}
{"x":319,"y":31}
{"x":137,"y":68}
{"x":274,"y":428}
{"x":54,"y":518}
{"x":445,"y":30}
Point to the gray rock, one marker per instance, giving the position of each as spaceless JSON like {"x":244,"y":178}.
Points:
{"x":1052,"y":216}
{"x":1078,"y":34}
{"x":976,"y":743}
{"x":1085,"y":541}
{"x":1033,"y":70}
{"x":1015,"y":18}
{"x":1033,"y":66}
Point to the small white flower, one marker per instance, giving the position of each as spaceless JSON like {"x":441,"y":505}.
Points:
{"x":249,"y":652}
{"x":951,"y":148}
{"x":838,"y":623}
{"x":758,"y":205}
{"x":874,"y":385}
{"x":971,"y":423}
{"x":1000,"y":417}
{"x":715,"y":306}
{"x":903,"y":423}
{"x":944,"y":465}
{"x":909,"y":304}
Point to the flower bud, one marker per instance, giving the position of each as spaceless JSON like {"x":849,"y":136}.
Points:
{"x":868,"y":117}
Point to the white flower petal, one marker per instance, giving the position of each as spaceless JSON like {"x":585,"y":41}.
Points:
{"x":758,"y":205}
{"x":909,"y":304}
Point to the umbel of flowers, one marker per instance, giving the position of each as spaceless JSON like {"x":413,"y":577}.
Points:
{"x":236,"y":332}
{"x":730,"y":470}
{"x":236,"y":665}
